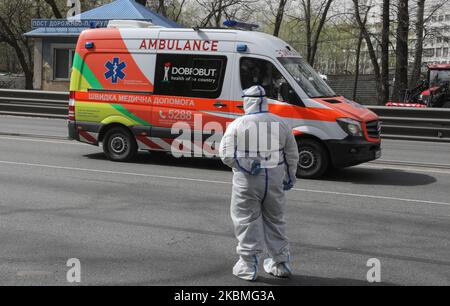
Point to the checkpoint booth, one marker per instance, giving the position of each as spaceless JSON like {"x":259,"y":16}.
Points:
{"x":55,"y":39}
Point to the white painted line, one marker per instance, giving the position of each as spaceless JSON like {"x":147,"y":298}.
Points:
{"x":69,"y":142}
{"x":408,"y":168}
{"x":411,"y":162}
{"x":220,"y":182}
{"x":371,"y":196}
{"x":113,"y":172}
{"x":34,"y":273}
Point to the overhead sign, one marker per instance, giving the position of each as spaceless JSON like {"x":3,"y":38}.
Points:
{"x":67,"y":23}
{"x":71,"y":23}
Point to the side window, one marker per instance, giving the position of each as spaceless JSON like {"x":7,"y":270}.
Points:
{"x":190,"y":75}
{"x":254,"y":71}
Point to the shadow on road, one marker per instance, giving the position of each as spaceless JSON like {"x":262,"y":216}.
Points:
{"x":366,"y":176}
{"x":386,"y":177}
{"x":163,"y":159}
{"x":301,"y":280}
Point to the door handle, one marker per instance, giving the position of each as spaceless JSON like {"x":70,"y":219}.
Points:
{"x":241,"y":106}
{"x":219,"y":104}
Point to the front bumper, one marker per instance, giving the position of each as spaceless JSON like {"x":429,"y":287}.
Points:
{"x":352,"y":151}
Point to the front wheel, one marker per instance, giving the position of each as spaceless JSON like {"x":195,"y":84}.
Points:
{"x":313,"y":159}
{"x":119,"y":145}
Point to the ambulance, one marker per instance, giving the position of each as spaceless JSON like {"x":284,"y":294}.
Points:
{"x":132,"y":82}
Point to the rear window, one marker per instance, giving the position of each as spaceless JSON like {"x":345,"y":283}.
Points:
{"x":190,"y":75}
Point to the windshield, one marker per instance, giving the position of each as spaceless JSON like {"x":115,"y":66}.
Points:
{"x":309,"y":80}
{"x":439,"y":77}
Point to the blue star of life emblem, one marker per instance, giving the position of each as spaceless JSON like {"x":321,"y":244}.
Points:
{"x":115,"y":70}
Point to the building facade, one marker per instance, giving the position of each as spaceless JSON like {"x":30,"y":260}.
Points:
{"x":437,"y":32}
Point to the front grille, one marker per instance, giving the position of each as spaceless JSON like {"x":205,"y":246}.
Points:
{"x":373,"y":129}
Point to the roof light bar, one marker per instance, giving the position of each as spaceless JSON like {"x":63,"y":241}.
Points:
{"x":241,"y":25}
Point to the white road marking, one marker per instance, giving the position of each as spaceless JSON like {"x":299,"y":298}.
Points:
{"x":34,"y":273}
{"x":220,"y":182}
{"x":371,"y":196}
{"x":112,"y":172}
{"x":387,"y":161}
{"x":407,"y":168}
{"x":70,"y":142}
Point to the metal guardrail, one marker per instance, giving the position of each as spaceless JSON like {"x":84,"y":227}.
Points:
{"x":34,"y":103}
{"x":429,"y":124}
{"x":409,"y":123}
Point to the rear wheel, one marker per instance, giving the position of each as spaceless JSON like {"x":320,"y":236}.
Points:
{"x":313,"y":159}
{"x":119,"y":145}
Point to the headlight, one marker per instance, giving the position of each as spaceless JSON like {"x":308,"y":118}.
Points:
{"x":350,"y":126}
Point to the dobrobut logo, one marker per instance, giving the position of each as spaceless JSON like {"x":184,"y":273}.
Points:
{"x":196,"y":72}
{"x":175,"y":73}
{"x":115,"y":70}
{"x":166,"y":72}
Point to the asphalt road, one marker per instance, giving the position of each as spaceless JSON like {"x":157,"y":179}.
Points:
{"x":165,"y":221}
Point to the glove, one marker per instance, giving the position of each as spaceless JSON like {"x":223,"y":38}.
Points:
{"x":255,"y":168}
{"x":287,"y":186}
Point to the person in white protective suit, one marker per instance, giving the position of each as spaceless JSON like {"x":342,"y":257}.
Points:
{"x":261,"y":175}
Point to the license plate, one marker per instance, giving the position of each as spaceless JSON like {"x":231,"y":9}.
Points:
{"x":377,"y":154}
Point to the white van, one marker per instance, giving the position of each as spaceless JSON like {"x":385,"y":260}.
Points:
{"x":130,"y":85}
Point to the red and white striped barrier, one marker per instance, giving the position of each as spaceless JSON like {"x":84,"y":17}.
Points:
{"x":400,"y":104}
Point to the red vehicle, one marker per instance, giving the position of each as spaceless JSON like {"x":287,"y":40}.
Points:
{"x":432,"y":92}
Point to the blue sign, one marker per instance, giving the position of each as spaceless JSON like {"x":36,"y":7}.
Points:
{"x":115,"y":70}
{"x":69,"y":23}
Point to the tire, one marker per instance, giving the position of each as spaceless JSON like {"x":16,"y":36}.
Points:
{"x":314,"y":160}
{"x":119,"y":145}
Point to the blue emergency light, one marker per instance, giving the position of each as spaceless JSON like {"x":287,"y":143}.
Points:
{"x":241,"y":48}
{"x":89,"y":45}
{"x":241,"y":25}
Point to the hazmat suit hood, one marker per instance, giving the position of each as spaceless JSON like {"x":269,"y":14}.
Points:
{"x":255,"y":100}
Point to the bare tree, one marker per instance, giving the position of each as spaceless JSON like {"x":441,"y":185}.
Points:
{"x":401,"y":52}
{"x":314,"y":18}
{"x":217,"y":10}
{"x":175,"y":9}
{"x":371,"y":50}
{"x":279,"y":17}
{"x":421,"y":33}
{"x":56,"y":12}
{"x":358,"y":54}
{"x":15,"y":19}
{"x":415,"y":74}
{"x":171,"y":9}
{"x":385,"y":31}
{"x":162,"y":8}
